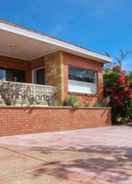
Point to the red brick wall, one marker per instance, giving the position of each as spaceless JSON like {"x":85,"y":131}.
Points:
{"x":27,"y":66}
{"x":13,"y":63}
{"x":36,"y":63}
{"x":77,"y":61}
{"x":22,"y":120}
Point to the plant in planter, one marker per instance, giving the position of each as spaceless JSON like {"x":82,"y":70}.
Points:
{"x":99,"y":105}
{"x":72,"y":101}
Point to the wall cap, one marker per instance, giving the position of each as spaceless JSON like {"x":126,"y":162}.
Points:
{"x":53,"y":107}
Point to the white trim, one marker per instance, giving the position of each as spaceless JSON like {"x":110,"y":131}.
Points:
{"x":82,"y":87}
{"x":61,"y":45}
{"x":33,"y":73}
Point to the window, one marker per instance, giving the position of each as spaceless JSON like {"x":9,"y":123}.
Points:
{"x":12,"y":75}
{"x":2,"y":74}
{"x":39,"y":76}
{"x":82,"y":80}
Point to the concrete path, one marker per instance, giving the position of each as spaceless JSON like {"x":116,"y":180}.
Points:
{"x":90,"y":156}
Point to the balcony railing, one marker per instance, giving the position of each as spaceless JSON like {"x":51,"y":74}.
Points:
{"x":16,"y":93}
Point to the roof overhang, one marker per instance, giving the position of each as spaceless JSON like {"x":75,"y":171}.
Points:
{"x":26,"y":44}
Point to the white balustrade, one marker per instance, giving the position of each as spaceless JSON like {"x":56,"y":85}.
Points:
{"x":26,"y":93}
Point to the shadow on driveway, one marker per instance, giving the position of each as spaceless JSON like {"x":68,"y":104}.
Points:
{"x":104,"y":163}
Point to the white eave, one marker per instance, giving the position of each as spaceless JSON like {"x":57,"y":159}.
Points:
{"x":53,"y":43}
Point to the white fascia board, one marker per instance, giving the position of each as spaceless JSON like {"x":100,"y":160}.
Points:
{"x":52,"y":41}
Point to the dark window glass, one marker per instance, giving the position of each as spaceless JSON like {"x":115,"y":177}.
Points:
{"x":12,"y":75}
{"x":83,"y":75}
{"x":2,"y":74}
{"x":40,"y":79}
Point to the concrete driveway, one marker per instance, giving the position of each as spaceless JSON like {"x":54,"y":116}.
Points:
{"x":90,"y":156}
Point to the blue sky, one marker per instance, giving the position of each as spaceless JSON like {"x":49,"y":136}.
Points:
{"x":99,"y":25}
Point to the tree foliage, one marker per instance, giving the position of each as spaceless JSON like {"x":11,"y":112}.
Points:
{"x":118,"y":87}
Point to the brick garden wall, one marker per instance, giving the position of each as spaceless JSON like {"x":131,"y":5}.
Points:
{"x":22,"y":120}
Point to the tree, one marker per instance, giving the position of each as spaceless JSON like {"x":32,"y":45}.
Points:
{"x":120,"y":58}
{"x":119,"y":89}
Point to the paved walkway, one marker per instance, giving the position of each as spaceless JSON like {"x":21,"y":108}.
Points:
{"x":90,"y":156}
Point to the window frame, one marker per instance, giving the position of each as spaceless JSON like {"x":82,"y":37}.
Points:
{"x":13,"y":70}
{"x":34,"y":73}
{"x":81,"y":93}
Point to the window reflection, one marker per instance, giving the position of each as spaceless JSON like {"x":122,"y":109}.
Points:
{"x":12,"y":75}
{"x":83,"y":75}
{"x":2,"y":74}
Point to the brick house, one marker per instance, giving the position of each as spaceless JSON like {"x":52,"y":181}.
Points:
{"x":27,"y":57}
{"x":44,"y":68}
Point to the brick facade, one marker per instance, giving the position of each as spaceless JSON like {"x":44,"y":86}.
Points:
{"x":22,"y":120}
{"x":13,"y":63}
{"x":80,"y":62}
{"x":56,"y":73}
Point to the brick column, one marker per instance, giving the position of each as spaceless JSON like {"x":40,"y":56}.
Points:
{"x":100,"y":85}
{"x":54,"y":73}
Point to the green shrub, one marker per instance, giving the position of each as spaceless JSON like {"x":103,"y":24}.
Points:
{"x":86,"y":105}
{"x":99,"y":104}
{"x":72,"y":101}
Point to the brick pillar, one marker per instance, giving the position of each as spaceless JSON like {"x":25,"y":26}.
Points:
{"x":29,"y":74}
{"x":54,"y":73}
{"x":100,"y":84}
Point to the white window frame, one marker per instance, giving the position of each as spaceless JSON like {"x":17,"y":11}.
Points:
{"x":33,"y":73}
{"x":83,"y":87}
